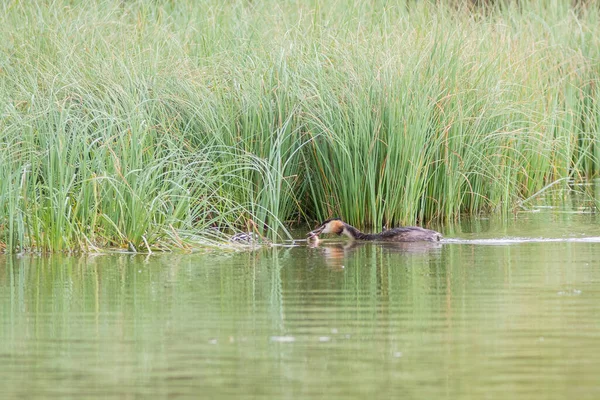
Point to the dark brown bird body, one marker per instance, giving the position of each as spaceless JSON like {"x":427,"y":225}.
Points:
{"x":402,"y":234}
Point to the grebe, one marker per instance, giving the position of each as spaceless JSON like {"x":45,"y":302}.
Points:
{"x":403,"y":234}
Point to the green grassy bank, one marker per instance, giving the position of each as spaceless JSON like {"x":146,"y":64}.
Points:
{"x":153,"y":122}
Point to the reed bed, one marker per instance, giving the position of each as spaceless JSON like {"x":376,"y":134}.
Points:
{"x":154,"y":125}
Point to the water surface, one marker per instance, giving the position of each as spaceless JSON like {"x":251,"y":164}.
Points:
{"x":484,"y":315}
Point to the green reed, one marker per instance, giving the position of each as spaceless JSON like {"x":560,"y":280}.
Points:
{"x":154,"y":125}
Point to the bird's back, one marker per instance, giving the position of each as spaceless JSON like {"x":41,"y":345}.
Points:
{"x":408,"y":234}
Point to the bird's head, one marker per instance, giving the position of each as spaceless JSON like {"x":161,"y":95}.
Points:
{"x":334,"y":225}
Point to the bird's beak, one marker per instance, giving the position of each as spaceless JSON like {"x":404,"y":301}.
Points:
{"x":316,"y":232}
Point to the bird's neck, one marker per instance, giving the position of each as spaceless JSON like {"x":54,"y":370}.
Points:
{"x":353,"y":233}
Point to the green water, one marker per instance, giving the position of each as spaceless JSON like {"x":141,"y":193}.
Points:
{"x":493,"y":318}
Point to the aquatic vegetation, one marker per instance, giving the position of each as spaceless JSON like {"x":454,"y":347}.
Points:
{"x":163,"y":124}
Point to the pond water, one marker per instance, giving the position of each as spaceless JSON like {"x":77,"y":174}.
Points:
{"x":496,"y":311}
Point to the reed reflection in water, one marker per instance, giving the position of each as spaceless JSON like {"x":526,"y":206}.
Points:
{"x":339,"y":320}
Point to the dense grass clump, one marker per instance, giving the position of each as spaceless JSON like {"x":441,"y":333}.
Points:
{"x":160,"y":124}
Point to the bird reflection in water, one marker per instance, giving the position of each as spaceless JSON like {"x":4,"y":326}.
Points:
{"x":335,"y":253}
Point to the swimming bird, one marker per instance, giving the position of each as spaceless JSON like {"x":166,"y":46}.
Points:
{"x":403,"y":234}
